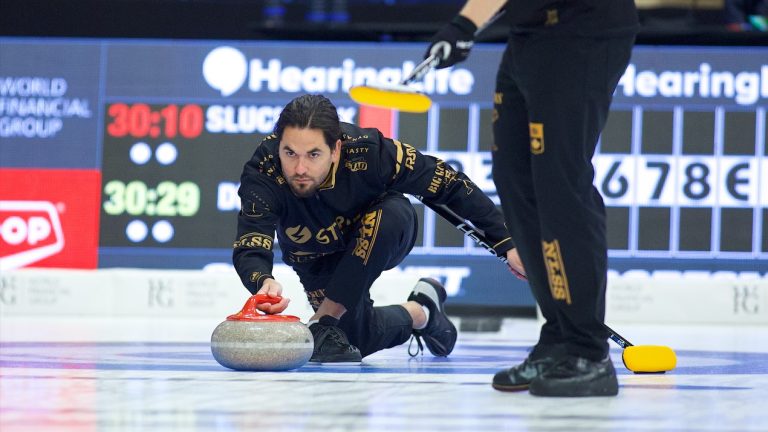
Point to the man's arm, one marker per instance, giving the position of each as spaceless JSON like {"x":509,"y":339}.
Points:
{"x":256,"y":223}
{"x":407,"y":170}
{"x":452,"y":43}
{"x":252,"y":255}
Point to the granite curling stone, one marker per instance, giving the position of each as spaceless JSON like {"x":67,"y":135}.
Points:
{"x":251,"y":341}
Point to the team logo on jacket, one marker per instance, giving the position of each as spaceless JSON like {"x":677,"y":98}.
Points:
{"x":298,"y":234}
{"x":536,"y":131}
{"x":369,"y":227}
{"x":406,"y":155}
{"x":253,"y":241}
{"x":558,"y":281}
{"x":437,"y":180}
{"x":356,"y":165}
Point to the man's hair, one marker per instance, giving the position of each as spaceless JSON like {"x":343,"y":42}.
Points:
{"x":310,"y":112}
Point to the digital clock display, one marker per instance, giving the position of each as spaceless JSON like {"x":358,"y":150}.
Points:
{"x":135,"y":198}
{"x":142,"y":120}
{"x":162,"y":175}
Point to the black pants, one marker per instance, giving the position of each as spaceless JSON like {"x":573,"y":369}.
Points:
{"x":383,"y":238}
{"x":553,"y":95}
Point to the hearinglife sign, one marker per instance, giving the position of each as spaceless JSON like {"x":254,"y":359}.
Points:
{"x":279,"y":71}
{"x":227,"y":70}
{"x":275,"y":72}
{"x":695,"y":76}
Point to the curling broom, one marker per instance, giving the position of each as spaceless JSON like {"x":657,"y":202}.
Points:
{"x":637,"y":358}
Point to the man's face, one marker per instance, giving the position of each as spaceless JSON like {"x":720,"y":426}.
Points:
{"x":306,"y":159}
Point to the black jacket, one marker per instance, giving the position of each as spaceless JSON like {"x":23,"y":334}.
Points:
{"x":370,"y":165}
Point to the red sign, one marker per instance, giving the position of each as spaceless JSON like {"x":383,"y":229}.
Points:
{"x":49,"y":218}
{"x":380,"y":118}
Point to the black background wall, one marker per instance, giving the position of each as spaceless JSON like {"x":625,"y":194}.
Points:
{"x":343,"y":20}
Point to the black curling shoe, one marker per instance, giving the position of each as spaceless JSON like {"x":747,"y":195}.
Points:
{"x":518,"y":378}
{"x":331,"y":343}
{"x":440,"y":334}
{"x":577,"y":377}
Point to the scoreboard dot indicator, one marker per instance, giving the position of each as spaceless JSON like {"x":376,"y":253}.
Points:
{"x":154,"y":132}
{"x":136,"y":231}
{"x":166,"y":153}
{"x":140,"y":153}
{"x":162,"y":231}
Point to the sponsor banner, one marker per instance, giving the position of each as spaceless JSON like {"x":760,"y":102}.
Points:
{"x":699,"y":76}
{"x":667,"y":297}
{"x":49,"y":218}
{"x":469,"y":280}
{"x":278,"y":71}
{"x":55,"y":293}
{"x":120,"y":293}
{"x":214,"y":293}
{"x":49,"y":104}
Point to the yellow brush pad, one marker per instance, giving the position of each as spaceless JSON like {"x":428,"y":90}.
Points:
{"x":649,"y":358}
{"x":400,"y":98}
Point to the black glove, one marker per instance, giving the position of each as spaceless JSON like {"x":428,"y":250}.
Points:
{"x":451,"y":44}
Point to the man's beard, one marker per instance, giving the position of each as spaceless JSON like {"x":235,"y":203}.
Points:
{"x":303,"y":190}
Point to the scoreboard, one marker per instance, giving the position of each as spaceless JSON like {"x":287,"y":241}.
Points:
{"x":164,"y":128}
{"x":696,"y":190}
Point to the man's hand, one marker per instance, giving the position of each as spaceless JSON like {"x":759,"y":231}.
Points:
{"x":452,"y":43}
{"x":272,"y":288}
{"x":516,"y":264}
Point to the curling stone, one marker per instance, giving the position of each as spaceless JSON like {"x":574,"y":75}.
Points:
{"x":252,"y":341}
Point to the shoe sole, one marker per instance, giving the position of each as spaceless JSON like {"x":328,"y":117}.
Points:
{"x":338,"y":359}
{"x":601,"y":393}
{"x":511,"y":388}
{"x":437,"y":349}
{"x":585,"y":390}
{"x":336,"y":363}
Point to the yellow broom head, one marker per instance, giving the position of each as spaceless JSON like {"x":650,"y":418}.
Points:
{"x":649,"y":358}
{"x":392,"y":96}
